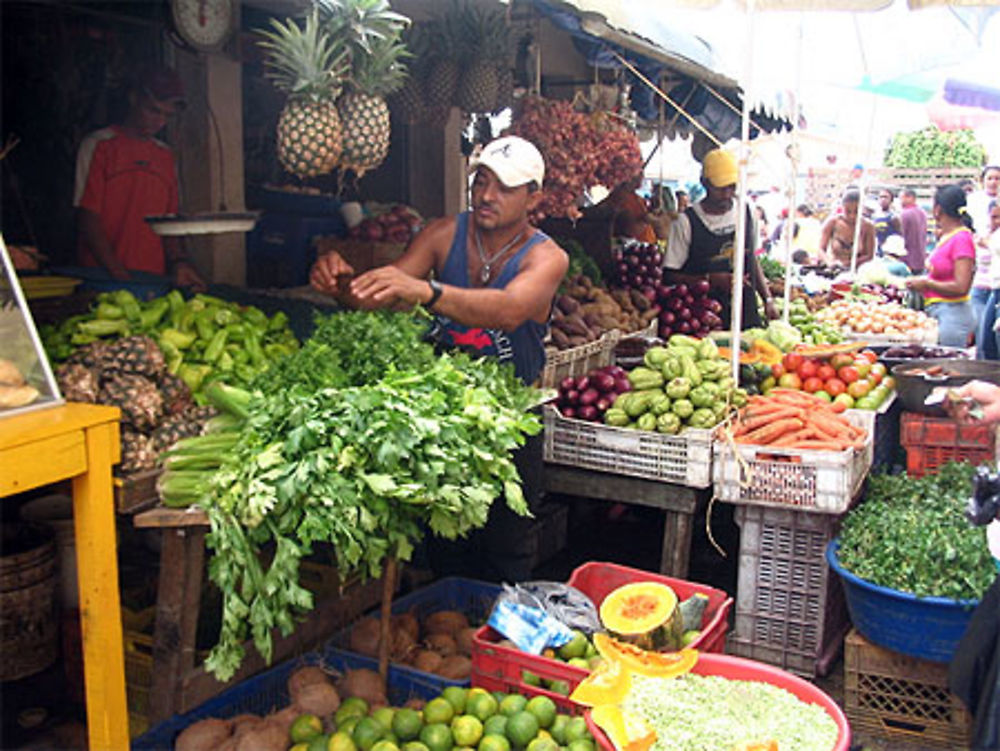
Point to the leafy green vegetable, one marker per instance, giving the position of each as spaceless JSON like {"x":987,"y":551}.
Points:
{"x":579,"y":261}
{"x":931,"y":147}
{"x":773,"y":270}
{"x":911,"y":535}
{"x":364,"y":439}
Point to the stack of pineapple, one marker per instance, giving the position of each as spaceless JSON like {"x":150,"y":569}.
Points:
{"x":130,"y":373}
{"x":336,"y":67}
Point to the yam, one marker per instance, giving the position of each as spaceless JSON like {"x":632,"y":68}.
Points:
{"x":575,"y":324}
{"x":567,"y":304}
{"x":204,"y":735}
{"x":443,"y":644}
{"x":363,"y":683}
{"x":365,"y":636}
{"x":463,"y":641}
{"x":560,"y":338}
{"x":445,"y":622}
{"x":577,"y":341}
{"x":265,"y":736}
{"x":320,"y":699}
{"x":407,"y":622}
{"x":303,"y":677}
{"x":427,"y":660}
{"x":456,"y":667}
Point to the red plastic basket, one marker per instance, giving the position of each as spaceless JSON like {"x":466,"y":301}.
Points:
{"x":498,"y":667}
{"x":738,"y":668}
{"x":931,"y":442}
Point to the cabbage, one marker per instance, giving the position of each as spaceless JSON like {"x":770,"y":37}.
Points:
{"x":783,"y":335}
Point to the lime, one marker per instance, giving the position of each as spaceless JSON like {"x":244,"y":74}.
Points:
{"x":575,"y":647}
{"x":581,"y":744}
{"x":354,"y":705}
{"x":318,"y":743}
{"x":341,"y":741}
{"x":689,"y":636}
{"x":384,"y":715}
{"x":590,"y":651}
{"x":348,"y":725}
{"x":299,"y":747}
{"x":438,"y":711}
{"x":481,"y":705}
{"x":304,"y":728}
{"x":466,"y":730}
{"x":530,"y":679}
{"x":385,"y":746}
{"x":513,"y":704}
{"x":543,"y":744}
{"x":499,"y":696}
{"x":495,"y":725}
{"x":577,"y":729}
{"x":414,"y":746}
{"x":437,"y":736}
{"x":557,"y":687}
{"x":491,"y":742}
{"x":367,"y":733}
{"x":406,"y":724}
{"x":456,"y":696}
{"x":579,"y":662}
{"x":558,"y":728}
{"x":522,"y":728}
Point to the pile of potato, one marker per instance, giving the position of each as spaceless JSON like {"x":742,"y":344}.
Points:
{"x":585,"y":311}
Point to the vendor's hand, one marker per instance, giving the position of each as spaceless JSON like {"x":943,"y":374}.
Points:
{"x":388,"y":285}
{"x":186,"y":275}
{"x":986,"y":395}
{"x":771,"y":310}
{"x":328,"y":270}
{"x":917,"y":283}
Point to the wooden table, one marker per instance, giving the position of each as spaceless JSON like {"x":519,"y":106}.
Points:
{"x":80,"y":442}
{"x":678,"y":501}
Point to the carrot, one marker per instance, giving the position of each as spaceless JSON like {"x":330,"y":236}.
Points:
{"x":790,"y":440}
{"x":772,"y":431}
{"x":830,"y":425}
{"x":816,"y":445}
{"x":760,"y":420}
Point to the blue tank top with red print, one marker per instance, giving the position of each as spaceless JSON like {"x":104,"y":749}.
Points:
{"x":524,"y":346}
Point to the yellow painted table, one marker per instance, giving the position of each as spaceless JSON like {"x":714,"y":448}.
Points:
{"x":80,"y":442}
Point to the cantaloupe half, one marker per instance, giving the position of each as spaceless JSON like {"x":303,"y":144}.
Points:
{"x":644,"y":614}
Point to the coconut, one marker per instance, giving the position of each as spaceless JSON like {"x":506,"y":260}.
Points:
{"x":456,"y":667}
{"x":204,"y":735}
{"x":403,"y":645}
{"x":365,"y":636}
{"x":445,"y":622}
{"x":284,"y":717}
{"x":443,"y":644}
{"x":427,"y":660}
{"x":303,"y":677}
{"x":363,"y":683}
{"x":407,"y":622}
{"x":320,"y":699}
{"x":463,"y":640}
{"x":243,"y":723}
{"x":264,"y":736}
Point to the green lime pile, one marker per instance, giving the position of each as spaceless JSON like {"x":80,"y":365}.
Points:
{"x":578,"y":652}
{"x":460,"y":719}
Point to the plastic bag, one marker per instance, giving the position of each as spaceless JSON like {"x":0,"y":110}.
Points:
{"x":566,"y":604}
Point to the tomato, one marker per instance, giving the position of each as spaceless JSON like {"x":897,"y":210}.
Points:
{"x":777,"y":370}
{"x":879,"y":369}
{"x":843,"y":399}
{"x":807,"y":369}
{"x":812,"y":384}
{"x":790,"y":381}
{"x":875,"y":378}
{"x":848,"y":374}
{"x":839,"y":361}
{"x":859,"y":389}
{"x":870,"y":356}
{"x":839,"y":406}
{"x":835,"y":387}
{"x":889,"y":382}
{"x":791,"y":361}
{"x":863,"y":367}
{"x":826,"y":372}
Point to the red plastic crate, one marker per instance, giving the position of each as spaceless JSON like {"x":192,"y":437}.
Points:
{"x":931,"y":442}
{"x":499,"y":667}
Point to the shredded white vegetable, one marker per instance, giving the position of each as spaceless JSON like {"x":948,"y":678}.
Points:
{"x":711,"y":713}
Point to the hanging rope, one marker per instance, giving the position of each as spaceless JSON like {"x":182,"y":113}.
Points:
{"x":638,"y":74}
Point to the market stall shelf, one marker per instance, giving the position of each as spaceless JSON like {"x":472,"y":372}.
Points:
{"x":901,"y":698}
{"x":790,"y":607}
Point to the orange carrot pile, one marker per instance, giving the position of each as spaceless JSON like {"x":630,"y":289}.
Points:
{"x":786,"y":418}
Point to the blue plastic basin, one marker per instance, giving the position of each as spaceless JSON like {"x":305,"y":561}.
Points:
{"x":924,"y":627}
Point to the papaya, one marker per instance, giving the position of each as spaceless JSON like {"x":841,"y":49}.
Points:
{"x":653,"y":664}
{"x":626,"y":731}
{"x":644,"y":614}
{"x":609,"y":683}
{"x":766,"y":352}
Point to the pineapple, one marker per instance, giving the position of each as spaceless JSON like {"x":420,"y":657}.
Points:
{"x":138,"y":453}
{"x":134,"y":354}
{"x":505,"y":87}
{"x":92,"y":356}
{"x":182,"y":425}
{"x":444,"y":71}
{"x":176,"y":394}
{"x":77,"y":382}
{"x":363,"y":111}
{"x":486,"y":41}
{"x":309,"y":64}
{"x":136,"y":396}
{"x":410,"y":103}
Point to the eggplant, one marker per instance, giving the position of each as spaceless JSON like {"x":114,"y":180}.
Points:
{"x":667,"y":317}
{"x":684,"y":314}
{"x":567,"y":384}
{"x":587,"y":412}
{"x":603,"y":404}
{"x":569,"y":412}
{"x":680,"y":289}
{"x":582,"y":383}
{"x":622,"y":384}
{"x":602,"y":382}
{"x":589,"y":396}
{"x":572,"y":396}
{"x":702,"y":286}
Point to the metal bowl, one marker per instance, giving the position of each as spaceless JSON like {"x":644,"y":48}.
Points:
{"x":914,"y":388}
{"x":953,"y":353}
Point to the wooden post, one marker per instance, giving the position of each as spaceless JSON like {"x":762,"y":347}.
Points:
{"x":385,"y":627}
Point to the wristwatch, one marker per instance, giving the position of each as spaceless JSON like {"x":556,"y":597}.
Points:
{"x":436,"y":290}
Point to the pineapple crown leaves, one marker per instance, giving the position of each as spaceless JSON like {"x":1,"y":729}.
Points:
{"x":382,"y":71}
{"x":305,"y":61}
{"x":484,"y":34}
{"x":362,"y":23}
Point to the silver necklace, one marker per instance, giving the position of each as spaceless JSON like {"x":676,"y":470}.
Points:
{"x":484,"y":274}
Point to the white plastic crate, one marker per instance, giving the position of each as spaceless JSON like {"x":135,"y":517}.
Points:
{"x":790,"y":608}
{"x":578,"y":361}
{"x":683,"y":459}
{"x":824,"y":481}
{"x":649,"y":329}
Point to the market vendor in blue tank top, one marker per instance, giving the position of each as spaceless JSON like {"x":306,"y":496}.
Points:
{"x":487,"y":274}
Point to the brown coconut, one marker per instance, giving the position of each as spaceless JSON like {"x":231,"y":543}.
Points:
{"x":264,"y":736}
{"x":427,"y":660}
{"x":364,"y":683}
{"x":303,"y":677}
{"x":445,"y":622}
{"x":365,"y":636}
{"x":320,"y":699}
{"x":204,"y":735}
{"x":463,"y":640}
{"x":407,"y":622}
{"x":456,"y":667}
{"x":443,"y":644}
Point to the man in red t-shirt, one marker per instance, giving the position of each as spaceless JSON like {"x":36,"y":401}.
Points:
{"x":124,"y":174}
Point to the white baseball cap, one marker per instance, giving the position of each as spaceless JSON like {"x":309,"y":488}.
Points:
{"x":513,"y":160}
